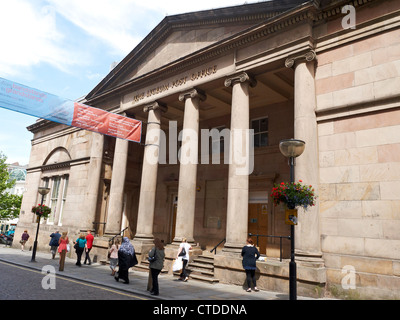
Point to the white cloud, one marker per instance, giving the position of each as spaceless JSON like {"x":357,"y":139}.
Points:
{"x":111,"y":21}
{"x":124,"y":23}
{"x":29,"y":35}
{"x":33,"y":32}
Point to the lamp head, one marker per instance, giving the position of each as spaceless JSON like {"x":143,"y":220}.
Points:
{"x":43,"y":190}
{"x":292,"y":148}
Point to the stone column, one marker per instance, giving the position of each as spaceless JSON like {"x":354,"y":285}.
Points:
{"x":147,"y":198}
{"x":238,"y":183}
{"x":96,"y":160}
{"x":188,"y":167}
{"x":308,"y":243}
{"x":116,"y":200}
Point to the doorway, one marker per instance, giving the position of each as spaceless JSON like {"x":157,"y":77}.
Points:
{"x":258,"y":224}
{"x":173,"y":216}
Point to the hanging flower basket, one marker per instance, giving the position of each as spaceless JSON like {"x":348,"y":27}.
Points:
{"x":42,"y":211}
{"x":293,"y":195}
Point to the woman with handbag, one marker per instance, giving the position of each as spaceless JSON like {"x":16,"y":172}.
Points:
{"x":79,"y":245}
{"x":63,"y":242}
{"x":126,"y":257}
{"x":183,"y":252}
{"x":156,"y":258}
{"x":24,"y":239}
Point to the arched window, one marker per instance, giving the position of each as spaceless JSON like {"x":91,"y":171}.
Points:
{"x":56,"y":177}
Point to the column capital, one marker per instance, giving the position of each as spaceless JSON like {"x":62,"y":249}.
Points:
{"x":193,"y":93}
{"x":306,"y":57}
{"x":240,"y":77}
{"x":155,"y":106}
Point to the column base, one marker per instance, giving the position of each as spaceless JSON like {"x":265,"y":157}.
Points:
{"x":178,"y":241}
{"x":310,"y":259}
{"x":111,"y":233}
{"x":144,"y":238}
{"x":232,"y":249}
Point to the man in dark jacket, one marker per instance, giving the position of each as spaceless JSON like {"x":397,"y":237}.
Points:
{"x":55,"y":237}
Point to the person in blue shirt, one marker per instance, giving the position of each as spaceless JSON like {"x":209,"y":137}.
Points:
{"x":79,"y":245}
{"x":55,"y":237}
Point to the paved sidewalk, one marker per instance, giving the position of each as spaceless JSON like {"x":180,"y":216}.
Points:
{"x":170,"y":287}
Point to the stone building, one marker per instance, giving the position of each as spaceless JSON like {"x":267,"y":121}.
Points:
{"x":323,"y":71}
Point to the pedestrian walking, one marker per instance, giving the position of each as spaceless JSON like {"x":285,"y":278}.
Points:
{"x":126,"y":259}
{"x":114,"y":257}
{"x":24,"y":239}
{"x":63,"y":243}
{"x":156,"y":256}
{"x":89,"y":244}
{"x":183,"y":252}
{"x":55,"y":237}
{"x":79,"y":245}
{"x":250,"y":254}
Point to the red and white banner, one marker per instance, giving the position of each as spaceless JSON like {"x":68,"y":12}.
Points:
{"x":107,"y":123}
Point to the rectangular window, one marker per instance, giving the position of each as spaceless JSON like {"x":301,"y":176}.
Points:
{"x":260,"y":127}
{"x":64,"y":198}
{"x":54,"y":197}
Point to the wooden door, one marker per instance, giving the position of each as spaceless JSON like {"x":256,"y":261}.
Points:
{"x":173,"y":216}
{"x":258,"y":224}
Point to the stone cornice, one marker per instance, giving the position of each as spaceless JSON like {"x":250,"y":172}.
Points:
{"x":60,"y":165}
{"x":40,"y":125}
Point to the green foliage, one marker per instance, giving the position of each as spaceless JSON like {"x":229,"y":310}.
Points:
{"x":10,"y":204}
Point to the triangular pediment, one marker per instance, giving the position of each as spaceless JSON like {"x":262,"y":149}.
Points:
{"x":179,"y":36}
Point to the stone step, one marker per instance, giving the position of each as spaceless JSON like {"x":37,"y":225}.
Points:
{"x":204,"y":259}
{"x":203,"y":278}
{"x":145,"y":265}
{"x":202,"y":269}
{"x":201,"y":265}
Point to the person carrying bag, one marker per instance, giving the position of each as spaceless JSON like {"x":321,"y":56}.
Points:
{"x":156,"y":258}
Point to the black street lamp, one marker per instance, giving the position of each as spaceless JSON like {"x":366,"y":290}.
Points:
{"x":292,"y":148}
{"x":43,"y":191}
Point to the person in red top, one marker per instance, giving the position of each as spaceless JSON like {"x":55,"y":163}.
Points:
{"x":89,"y":244}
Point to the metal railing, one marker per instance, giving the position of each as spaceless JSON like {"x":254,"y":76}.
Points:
{"x":112,"y":239}
{"x":271,"y":236}
{"x":215,"y":248}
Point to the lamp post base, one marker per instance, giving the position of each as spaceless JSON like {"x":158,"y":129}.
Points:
{"x":292,"y":268}
{"x":292,"y":281}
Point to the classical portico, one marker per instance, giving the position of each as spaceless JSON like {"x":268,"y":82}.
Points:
{"x":232,"y":86}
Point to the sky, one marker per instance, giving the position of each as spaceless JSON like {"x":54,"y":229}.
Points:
{"x":66,"y":47}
